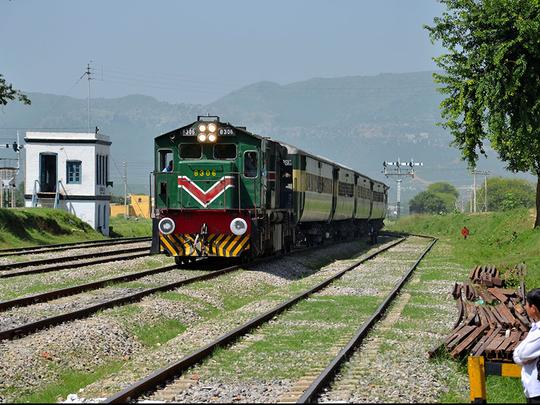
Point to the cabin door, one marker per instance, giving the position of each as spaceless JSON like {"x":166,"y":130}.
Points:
{"x":47,"y":172}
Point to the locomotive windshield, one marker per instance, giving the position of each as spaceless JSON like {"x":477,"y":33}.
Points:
{"x":165,"y":157}
{"x":250,"y":164}
{"x":225,"y":151}
{"x":190,"y":151}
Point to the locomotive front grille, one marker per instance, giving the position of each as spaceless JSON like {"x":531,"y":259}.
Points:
{"x":220,"y":245}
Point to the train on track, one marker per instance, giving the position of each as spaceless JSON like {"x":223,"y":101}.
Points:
{"x":220,"y":190}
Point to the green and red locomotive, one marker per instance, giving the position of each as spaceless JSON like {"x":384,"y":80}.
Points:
{"x":220,"y":190}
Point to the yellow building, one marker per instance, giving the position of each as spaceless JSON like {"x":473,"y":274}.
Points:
{"x":139,"y":206}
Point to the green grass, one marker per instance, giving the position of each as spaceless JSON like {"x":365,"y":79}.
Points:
{"x":159,"y":332}
{"x":70,"y":382}
{"x":503,"y":239}
{"x":21,"y":227}
{"x":130,"y":227}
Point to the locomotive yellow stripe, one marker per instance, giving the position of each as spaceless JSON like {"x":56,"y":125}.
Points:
{"x":231,"y":245}
{"x":168,"y":245}
{"x":241,"y":245}
{"x":223,"y":244}
{"x":214,"y":247}
{"x":182,"y":244}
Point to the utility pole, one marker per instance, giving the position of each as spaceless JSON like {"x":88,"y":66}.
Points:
{"x":88,"y":75}
{"x":474,"y":190}
{"x":484,"y":173}
{"x":399,"y":174}
{"x":126,"y":213}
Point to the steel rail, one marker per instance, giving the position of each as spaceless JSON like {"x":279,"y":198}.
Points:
{"x":6,"y":252}
{"x":84,"y":312}
{"x":160,"y":376}
{"x":405,"y":234}
{"x":327,"y":375}
{"x":107,"y":259}
{"x":55,"y":248}
{"x":63,"y":292}
{"x":18,"y":265}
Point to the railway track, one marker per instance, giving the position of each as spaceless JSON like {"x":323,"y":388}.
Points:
{"x":73,"y":261}
{"x":34,"y":326}
{"x":323,"y":380}
{"x":37,"y":325}
{"x":168,"y":375}
{"x":69,"y":246}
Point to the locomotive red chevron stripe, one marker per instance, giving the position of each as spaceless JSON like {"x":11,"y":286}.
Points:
{"x":205,"y":198}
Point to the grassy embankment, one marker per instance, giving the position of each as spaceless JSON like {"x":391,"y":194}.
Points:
{"x":42,"y":226}
{"x":503,"y":239}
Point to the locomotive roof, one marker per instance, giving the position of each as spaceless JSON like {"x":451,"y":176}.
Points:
{"x":240,"y":129}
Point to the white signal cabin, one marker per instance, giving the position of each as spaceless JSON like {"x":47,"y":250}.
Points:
{"x":69,"y":171}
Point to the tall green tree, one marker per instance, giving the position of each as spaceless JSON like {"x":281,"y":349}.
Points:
{"x":491,"y":79}
{"x":504,"y":194}
{"x":428,"y":202}
{"x":443,"y":188}
{"x":8,"y":93}
{"x":439,"y":198}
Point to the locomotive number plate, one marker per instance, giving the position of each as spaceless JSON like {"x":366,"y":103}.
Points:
{"x":188,"y":132}
{"x":226,"y":131}
{"x":204,"y":173}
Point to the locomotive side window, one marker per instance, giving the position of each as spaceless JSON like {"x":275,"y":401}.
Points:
{"x":190,"y":151}
{"x":225,"y":151}
{"x":250,"y":164}
{"x":165,"y":160}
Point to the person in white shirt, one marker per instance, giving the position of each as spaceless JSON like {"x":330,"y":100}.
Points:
{"x":527,"y":353}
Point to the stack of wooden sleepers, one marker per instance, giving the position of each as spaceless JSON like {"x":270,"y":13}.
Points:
{"x":492,"y":319}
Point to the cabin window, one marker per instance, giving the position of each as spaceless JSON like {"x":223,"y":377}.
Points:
{"x":73,"y":172}
{"x":250,"y":164}
{"x":166,"y":163}
{"x":190,"y":151}
{"x":225,"y":151}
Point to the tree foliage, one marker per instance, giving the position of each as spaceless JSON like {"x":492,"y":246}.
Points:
{"x":491,"y":77}
{"x":444,"y":188}
{"x":427,"y":202}
{"x":505,"y":194}
{"x":8,"y":93}
{"x":439,"y":198}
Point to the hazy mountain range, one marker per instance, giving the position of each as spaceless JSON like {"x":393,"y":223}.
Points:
{"x":359,"y":121}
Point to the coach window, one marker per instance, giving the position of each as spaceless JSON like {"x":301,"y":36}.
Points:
{"x":190,"y":151}
{"x":225,"y":151}
{"x":165,"y":157}
{"x":250,"y":164}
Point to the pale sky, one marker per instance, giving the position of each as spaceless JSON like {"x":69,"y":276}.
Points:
{"x":198,"y":51}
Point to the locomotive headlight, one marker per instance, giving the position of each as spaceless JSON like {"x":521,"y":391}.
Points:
{"x":238,"y":226}
{"x":212,"y":137}
{"x":202,"y":128}
{"x":166,"y":226}
{"x":212,"y":127}
{"x":201,"y":137}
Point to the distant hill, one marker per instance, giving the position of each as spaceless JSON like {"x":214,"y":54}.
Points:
{"x":359,"y":120}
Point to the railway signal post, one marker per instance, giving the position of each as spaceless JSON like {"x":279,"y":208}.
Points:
{"x":395,"y":169}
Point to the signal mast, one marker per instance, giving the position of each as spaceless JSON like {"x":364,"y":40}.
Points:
{"x":395,"y":169}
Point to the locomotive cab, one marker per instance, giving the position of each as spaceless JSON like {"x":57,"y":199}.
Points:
{"x":215,"y":192}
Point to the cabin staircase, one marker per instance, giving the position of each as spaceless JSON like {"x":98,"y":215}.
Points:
{"x":49,"y":199}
